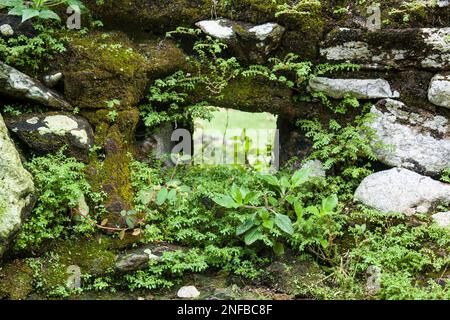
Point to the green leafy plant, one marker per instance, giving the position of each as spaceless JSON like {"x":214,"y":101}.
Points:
{"x":112,"y":113}
{"x":212,"y":72}
{"x":446,"y":175}
{"x":61,"y":184}
{"x":30,"y":53}
{"x":268,"y":215}
{"x":41,"y":9}
{"x":344,"y":150}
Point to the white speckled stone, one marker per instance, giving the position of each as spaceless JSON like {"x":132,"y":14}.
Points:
{"x":416,"y":140}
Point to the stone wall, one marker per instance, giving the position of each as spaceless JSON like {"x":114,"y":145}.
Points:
{"x":405,"y":74}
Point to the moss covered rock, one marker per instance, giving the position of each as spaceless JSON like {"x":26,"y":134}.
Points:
{"x":49,"y":132}
{"x":108,"y":170}
{"x":16,"y":189}
{"x":101,"y":67}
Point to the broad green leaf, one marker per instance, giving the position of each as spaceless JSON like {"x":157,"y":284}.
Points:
{"x":49,"y":14}
{"x":244,"y":191}
{"x":272,"y":180}
{"x":145,"y":197}
{"x":298,"y":208}
{"x":243,"y":228}
{"x":77,"y":3}
{"x":29,"y":13}
{"x":225,"y":201}
{"x":284,"y":183}
{"x":278,"y":248}
{"x":324,"y":243}
{"x":290,"y":199}
{"x":330,"y":203}
{"x":284,"y":223}
{"x":251,"y":197}
{"x":172,"y":195}
{"x":11,"y":3}
{"x":162,"y":196}
{"x":236,"y":193}
{"x":313,"y":210}
{"x":268,"y":223}
{"x":300,"y":177}
{"x":273,"y":201}
{"x":263,"y":213}
{"x":130,"y":222}
{"x":253,"y":235}
{"x":16,"y":11}
{"x":185,"y":189}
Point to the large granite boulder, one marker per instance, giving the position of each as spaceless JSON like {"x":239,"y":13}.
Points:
{"x":48,"y":132}
{"x":16,"y":189}
{"x":16,"y":84}
{"x":414,"y":139}
{"x":401,"y":191}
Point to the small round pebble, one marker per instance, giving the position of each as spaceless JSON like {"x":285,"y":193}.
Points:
{"x":188,"y":292}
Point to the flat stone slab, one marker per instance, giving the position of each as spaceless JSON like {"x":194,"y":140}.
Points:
{"x":358,"y":88}
{"x":427,"y":48}
{"x":16,"y":84}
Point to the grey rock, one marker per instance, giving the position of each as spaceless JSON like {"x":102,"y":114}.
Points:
{"x":316,"y":167}
{"x":6,"y":30}
{"x":252,"y":43}
{"x":442,"y":219}
{"x":139,"y":258}
{"x":18,"y":28}
{"x":393,"y":48}
{"x":373,"y":284}
{"x":16,"y":84}
{"x":188,"y":292}
{"x":401,"y":191}
{"x":412,"y":139}
{"x":358,"y":88}
{"x":16,"y":189}
{"x":48,"y":132}
{"x":51,"y":80}
{"x":439,"y":91}
{"x":74,"y":277}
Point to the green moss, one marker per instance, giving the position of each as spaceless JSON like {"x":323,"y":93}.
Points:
{"x":164,"y":58}
{"x":108,"y":170}
{"x":101,"y":67}
{"x":92,"y":256}
{"x":2,"y":210}
{"x":16,"y":280}
{"x":256,"y":95}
